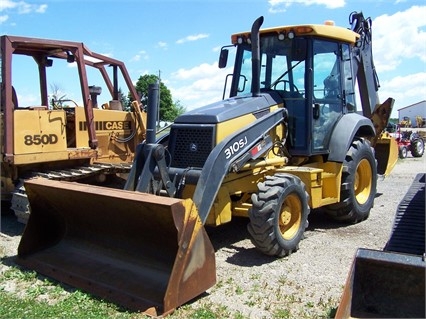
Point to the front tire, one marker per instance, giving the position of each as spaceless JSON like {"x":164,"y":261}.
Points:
{"x":358,"y":188}
{"x":279,"y":215}
{"x":403,"y":152}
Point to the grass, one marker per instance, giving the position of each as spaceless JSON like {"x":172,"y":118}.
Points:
{"x":76,"y":305}
{"x":25,"y":294}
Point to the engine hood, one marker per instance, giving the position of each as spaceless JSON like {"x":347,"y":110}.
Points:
{"x":230,"y":108}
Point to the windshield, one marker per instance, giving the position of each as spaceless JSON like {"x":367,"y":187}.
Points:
{"x":282,"y":65}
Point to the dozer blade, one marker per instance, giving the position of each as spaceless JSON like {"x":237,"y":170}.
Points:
{"x":141,"y":251}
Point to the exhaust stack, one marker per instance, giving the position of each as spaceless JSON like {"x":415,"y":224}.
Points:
{"x":255,"y":60}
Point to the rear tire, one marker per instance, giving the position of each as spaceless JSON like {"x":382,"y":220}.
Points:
{"x":358,"y":188}
{"x":417,"y":147}
{"x":403,"y":152}
{"x":279,"y":215}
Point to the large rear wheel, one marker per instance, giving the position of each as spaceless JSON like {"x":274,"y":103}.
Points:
{"x":359,"y":181}
{"x":279,"y":215}
{"x":417,"y":147}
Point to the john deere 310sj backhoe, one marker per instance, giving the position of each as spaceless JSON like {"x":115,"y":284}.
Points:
{"x":288,"y":140}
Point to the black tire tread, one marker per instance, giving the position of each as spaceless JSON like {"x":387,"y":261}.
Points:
{"x":262,"y":214}
{"x":348,"y":210}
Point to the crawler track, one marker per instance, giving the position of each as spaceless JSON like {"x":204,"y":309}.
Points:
{"x":20,"y":204}
{"x":408,"y":232}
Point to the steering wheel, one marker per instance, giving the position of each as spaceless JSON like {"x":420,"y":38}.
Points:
{"x":292,"y":87}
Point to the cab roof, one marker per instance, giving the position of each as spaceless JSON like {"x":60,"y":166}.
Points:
{"x":317,"y":30}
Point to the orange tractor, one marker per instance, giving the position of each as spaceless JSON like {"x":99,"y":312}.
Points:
{"x":55,"y":137}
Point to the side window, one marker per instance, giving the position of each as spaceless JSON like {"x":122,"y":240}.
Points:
{"x":327,"y":92}
{"x":348,"y":79}
{"x":327,"y":82}
{"x":244,"y":83}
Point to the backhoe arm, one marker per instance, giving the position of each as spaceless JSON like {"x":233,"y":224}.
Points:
{"x":363,"y":64}
{"x":366,"y":75}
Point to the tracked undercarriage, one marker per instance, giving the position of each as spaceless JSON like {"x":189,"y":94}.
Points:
{"x":94,"y":174}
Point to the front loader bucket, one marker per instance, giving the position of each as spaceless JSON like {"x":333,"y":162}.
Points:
{"x":384,"y":284}
{"x":144,"y":252}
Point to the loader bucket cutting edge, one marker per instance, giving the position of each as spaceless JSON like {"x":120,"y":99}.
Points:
{"x":144,"y":252}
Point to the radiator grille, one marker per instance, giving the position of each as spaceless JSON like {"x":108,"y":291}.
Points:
{"x":190,"y":146}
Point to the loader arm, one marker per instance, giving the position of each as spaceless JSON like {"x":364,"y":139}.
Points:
{"x":220,"y":160}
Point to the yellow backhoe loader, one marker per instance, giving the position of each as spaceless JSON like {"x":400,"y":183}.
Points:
{"x":287,"y":140}
{"x":54,"y":137}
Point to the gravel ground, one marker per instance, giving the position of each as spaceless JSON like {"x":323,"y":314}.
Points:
{"x":307,"y":284}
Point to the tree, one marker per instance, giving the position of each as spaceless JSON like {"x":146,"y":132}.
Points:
{"x":168,"y":110}
{"x":57,"y":100}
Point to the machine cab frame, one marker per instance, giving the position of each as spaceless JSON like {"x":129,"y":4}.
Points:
{"x":291,"y":67}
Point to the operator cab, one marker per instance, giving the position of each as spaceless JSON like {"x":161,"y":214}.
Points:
{"x":312,"y":75}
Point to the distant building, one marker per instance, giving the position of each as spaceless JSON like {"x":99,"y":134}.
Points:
{"x":412,"y":111}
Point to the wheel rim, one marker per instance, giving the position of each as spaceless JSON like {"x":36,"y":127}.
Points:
{"x":290,"y":216}
{"x":419,"y":147}
{"x":362,"y":185}
{"x":404,"y":152}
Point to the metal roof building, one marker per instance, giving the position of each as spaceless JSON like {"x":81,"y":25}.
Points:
{"x":412,"y":111}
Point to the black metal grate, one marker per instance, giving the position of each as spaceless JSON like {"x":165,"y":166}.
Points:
{"x":190,"y":146}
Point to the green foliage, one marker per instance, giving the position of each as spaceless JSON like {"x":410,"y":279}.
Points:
{"x":76,"y":305}
{"x":126,"y":102}
{"x":281,"y":314}
{"x":168,"y":110}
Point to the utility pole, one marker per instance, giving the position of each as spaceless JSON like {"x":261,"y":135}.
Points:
{"x":159,"y":90}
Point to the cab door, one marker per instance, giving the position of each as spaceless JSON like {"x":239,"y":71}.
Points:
{"x":327,"y":93}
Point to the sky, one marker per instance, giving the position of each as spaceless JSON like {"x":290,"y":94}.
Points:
{"x":180,"y":40}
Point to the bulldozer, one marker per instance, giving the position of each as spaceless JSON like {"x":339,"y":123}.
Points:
{"x":55,"y":137}
{"x":289,"y":139}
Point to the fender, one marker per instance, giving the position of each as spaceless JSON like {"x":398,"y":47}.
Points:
{"x":349,"y":126}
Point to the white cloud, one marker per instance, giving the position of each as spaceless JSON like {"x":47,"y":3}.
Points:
{"x":7,"y":4}
{"x":204,"y":85}
{"x":190,"y":38}
{"x":162,"y":45}
{"x":406,"y":90}
{"x":277,"y":6}
{"x":398,"y":37}
{"x":19,"y":7}
{"x":141,"y":55}
{"x":41,"y":9}
{"x":22,"y":7}
{"x":201,"y":71}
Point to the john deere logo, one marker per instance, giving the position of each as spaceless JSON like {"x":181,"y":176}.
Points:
{"x":193,"y":147}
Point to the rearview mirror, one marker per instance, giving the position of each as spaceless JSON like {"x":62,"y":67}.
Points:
{"x":223,"y":58}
